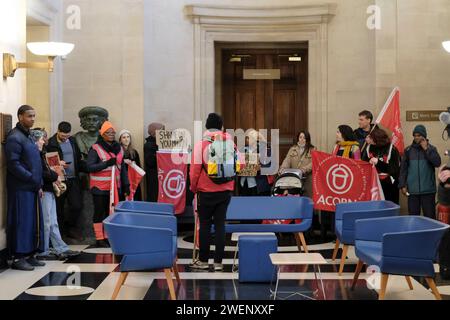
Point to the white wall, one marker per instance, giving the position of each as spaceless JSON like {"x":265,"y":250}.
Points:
{"x":12,"y":90}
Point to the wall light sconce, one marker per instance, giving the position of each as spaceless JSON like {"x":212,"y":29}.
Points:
{"x":48,"y":49}
{"x":446,"y":45}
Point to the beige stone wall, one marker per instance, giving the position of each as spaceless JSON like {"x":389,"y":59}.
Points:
{"x":12,"y":90}
{"x":170,"y":54}
{"x":38,"y":81}
{"x":351,"y":72}
{"x":410,"y":56}
{"x":136,"y":58}
{"x":106,"y":66}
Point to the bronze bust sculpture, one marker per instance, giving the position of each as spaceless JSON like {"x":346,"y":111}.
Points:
{"x":91,"y":119}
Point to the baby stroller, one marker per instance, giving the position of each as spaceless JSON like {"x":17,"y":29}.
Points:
{"x":288,"y":184}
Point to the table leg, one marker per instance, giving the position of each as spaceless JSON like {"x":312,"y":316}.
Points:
{"x":276,"y":285}
{"x":233,"y":268}
{"x":321,"y":282}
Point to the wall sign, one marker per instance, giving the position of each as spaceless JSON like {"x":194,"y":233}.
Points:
{"x":423,"y":115}
{"x":262,"y":74}
{"x":5,"y":126}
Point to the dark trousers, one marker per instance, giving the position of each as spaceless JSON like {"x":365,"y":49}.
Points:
{"x":101,"y":207}
{"x":152,"y":185}
{"x":390,"y":190}
{"x":212,"y":209}
{"x":425,"y":202}
{"x":248,"y":192}
{"x":68,"y":218}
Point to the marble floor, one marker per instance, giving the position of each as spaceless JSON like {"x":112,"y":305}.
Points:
{"x":93,"y":275}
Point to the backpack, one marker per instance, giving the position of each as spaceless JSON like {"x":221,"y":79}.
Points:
{"x":222,"y":163}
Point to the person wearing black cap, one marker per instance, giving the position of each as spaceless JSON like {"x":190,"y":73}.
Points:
{"x":418,"y":174}
{"x":212,"y":198}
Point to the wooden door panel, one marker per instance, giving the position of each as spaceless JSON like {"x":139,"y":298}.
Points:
{"x":284,"y":111}
{"x":266,"y":104}
{"x":245,"y":109}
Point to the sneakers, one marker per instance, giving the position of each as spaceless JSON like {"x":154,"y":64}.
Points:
{"x":22,"y":265}
{"x":199,"y":265}
{"x":218,"y":267}
{"x":48,"y":257}
{"x":102,"y":244}
{"x":68,"y":254}
{"x":35,"y":262}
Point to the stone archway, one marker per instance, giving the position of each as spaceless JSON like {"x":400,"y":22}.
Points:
{"x":263,"y":24}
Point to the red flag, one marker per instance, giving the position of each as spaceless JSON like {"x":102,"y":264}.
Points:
{"x":113,"y":192}
{"x":390,"y":118}
{"x":342,"y":180}
{"x":172,"y":173}
{"x":376,"y":190}
{"x":135,"y":175}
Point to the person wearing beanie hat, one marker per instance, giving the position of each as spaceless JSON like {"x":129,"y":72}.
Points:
{"x":105,"y":157}
{"x":417,"y":178}
{"x":212,"y":198}
{"x":421,"y":130}
{"x":130,"y":155}
{"x":214,"y":121}
{"x":150,"y":162}
{"x":105,"y":127}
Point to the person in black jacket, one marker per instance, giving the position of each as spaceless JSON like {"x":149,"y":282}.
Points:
{"x":105,"y":156}
{"x":70,"y":157}
{"x":386,"y":158}
{"x":365,"y":119}
{"x":51,"y":229}
{"x":151,"y":167}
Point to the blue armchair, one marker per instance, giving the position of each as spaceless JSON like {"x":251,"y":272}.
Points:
{"x":145,"y":207}
{"x":404,"y":245}
{"x":146,"y":242}
{"x":348,"y":213}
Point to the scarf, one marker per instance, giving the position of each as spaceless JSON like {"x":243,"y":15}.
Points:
{"x":114,"y":147}
{"x":348,"y":147}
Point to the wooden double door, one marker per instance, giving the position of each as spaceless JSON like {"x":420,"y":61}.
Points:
{"x":280,"y":103}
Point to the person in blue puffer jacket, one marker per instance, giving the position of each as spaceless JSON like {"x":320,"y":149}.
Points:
{"x":418,"y":174}
{"x":24,"y":182}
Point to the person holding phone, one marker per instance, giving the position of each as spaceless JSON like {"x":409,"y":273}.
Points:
{"x":417,"y":178}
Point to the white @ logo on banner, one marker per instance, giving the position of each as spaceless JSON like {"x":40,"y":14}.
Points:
{"x":340,"y":179}
{"x":174,"y":184}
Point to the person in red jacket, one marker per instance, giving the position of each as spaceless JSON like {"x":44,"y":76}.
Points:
{"x":212,"y":198}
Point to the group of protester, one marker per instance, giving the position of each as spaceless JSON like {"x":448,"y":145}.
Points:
{"x":413,"y":174}
{"x":44,"y":205}
{"x":44,"y":201}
